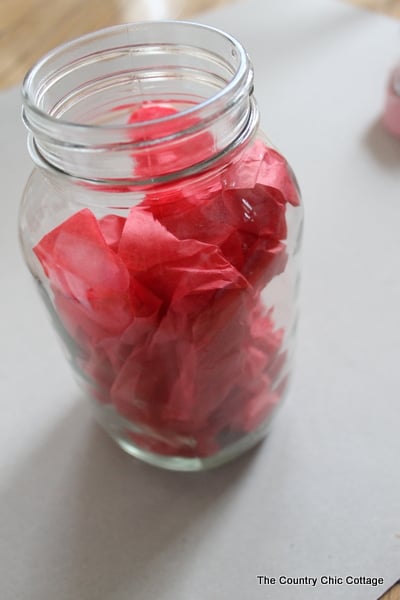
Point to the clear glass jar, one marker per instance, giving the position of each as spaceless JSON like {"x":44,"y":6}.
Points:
{"x":163,"y":231}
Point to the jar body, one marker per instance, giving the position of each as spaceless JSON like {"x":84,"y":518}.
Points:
{"x":175,"y":300}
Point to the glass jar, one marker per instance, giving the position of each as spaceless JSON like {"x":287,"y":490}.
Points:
{"x":162,"y":230}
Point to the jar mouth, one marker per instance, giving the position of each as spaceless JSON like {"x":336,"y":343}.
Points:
{"x":41,"y":117}
{"x":79,"y":99}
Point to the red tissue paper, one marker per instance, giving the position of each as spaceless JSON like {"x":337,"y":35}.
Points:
{"x":164,"y":305}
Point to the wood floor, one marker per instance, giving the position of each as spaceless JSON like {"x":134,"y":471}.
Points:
{"x":392,"y":594}
{"x":28,"y":28}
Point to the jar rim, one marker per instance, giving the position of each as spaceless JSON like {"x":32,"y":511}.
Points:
{"x":48,"y":120}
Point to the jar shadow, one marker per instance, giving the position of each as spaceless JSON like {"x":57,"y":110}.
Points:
{"x":90,"y":522}
{"x":383,"y":146}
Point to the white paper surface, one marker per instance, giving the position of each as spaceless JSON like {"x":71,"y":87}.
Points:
{"x":79,"y":520}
